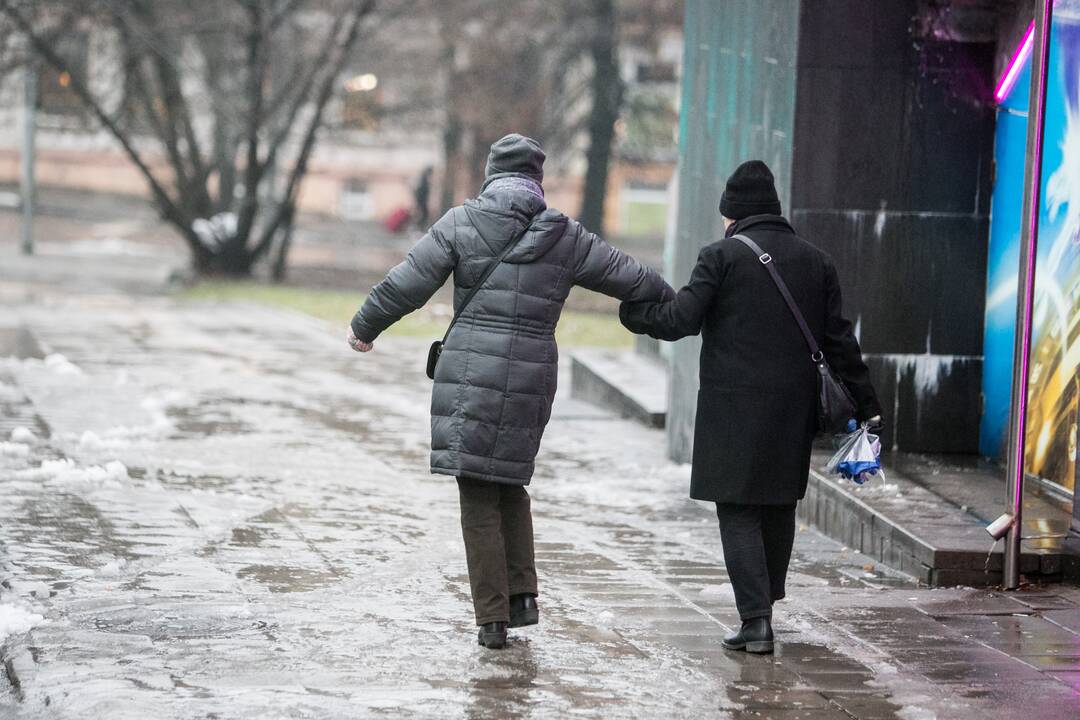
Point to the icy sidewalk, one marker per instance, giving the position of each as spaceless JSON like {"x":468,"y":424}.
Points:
{"x":221,"y":510}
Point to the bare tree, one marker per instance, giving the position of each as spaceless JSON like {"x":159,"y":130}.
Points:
{"x":217,"y":94}
{"x":546,"y":68}
{"x":499,"y":63}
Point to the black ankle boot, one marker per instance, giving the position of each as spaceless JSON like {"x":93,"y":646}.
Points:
{"x":755,"y":636}
{"x":492,"y":635}
{"x":523,"y":610}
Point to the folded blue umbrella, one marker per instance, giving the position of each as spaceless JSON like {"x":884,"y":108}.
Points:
{"x":858,"y":458}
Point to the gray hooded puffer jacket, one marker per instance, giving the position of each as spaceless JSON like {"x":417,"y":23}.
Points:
{"x":496,"y":380}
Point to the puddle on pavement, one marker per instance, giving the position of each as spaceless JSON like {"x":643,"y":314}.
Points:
{"x":171,"y":478}
{"x":286,"y":579}
{"x":178,"y":623}
{"x":248,"y":536}
{"x":804,"y":680}
{"x":207,"y":419}
{"x":76,"y":531}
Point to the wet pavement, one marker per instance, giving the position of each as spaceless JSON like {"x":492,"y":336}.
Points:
{"x":221,"y":511}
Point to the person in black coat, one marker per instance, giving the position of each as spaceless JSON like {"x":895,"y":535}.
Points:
{"x":757,"y":406}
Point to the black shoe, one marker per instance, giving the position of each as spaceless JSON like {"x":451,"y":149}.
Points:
{"x":755,"y":636}
{"x":492,"y":635}
{"x":523,"y":610}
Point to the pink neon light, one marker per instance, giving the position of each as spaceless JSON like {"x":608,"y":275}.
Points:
{"x":1016,"y":64}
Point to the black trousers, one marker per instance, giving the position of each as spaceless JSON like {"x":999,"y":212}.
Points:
{"x":757,"y":548}
{"x":496,"y":523}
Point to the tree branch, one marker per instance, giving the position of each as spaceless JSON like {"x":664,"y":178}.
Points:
{"x":344,"y":46}
{"x":257,"y":62}
{"x":166,"y":205}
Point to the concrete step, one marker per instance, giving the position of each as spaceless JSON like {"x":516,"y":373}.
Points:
{"x":926,"y":518}
{"x":627,"y":383}
{"x":909,"y":521}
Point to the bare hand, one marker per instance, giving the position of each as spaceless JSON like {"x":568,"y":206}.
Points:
{"x":357,"y":344}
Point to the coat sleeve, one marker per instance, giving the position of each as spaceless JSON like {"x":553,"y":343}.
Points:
{"x":842,"y":349}
{"x":604,"y":269}
{"x":409,"y":285}
{"x":682,"y":315}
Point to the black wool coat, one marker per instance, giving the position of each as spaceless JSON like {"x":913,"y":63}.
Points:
{"x":756,"y":411}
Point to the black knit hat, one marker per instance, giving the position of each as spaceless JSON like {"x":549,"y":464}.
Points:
{"x":750,"y":190}
{"x":516,"y":154}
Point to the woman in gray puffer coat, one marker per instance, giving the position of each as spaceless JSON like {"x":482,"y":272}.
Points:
{"x":495,"y":381}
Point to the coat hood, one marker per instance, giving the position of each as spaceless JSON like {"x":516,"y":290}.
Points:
{"x":498,"y":214}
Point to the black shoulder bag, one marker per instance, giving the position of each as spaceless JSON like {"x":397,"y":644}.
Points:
{"x":435,"y":351}
{"x":835,"y":404}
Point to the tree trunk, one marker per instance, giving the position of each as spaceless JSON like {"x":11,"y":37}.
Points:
{"x":231,"y":260}
{"x":607,"y":90}
{"x":281,"y":258}
{"x":451,"y":161}
{"x":231,"y":265}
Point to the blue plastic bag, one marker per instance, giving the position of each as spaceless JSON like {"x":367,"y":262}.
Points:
{"x":859,"y":457}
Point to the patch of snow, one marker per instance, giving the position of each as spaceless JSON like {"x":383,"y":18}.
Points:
{"x":112,"y":474}
{"x":112,"y":568}
{"x":118,"y":437}
{"x":913,"y":712}
{"x":11,"y":449}
{"x":15,"y":619}
{"x":23,"y":435}
{"x":9,"y":393}
{"x":61,"y":365}
{"x":158,"y":405}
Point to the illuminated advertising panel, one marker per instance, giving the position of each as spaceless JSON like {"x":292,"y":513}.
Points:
{"x":1055,"y":349}
{"x":1055,"y":352}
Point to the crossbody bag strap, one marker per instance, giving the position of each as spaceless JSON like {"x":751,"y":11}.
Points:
{"x":487,"y":273}
{"x":766,"y":259}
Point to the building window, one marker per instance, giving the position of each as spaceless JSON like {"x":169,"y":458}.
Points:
{"x":55,"y":96}
{"x":361,"y":104}
{"x":360,"y":111}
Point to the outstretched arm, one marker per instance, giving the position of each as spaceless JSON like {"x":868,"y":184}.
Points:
{"x":407,"y":286}
{"x":843,"y":352}
{"x":684,"y":314}
{"x":605,"y":269}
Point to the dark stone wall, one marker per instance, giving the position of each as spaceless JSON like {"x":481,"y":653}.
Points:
{"x":891,"y":174}
{"x":738,"y":103}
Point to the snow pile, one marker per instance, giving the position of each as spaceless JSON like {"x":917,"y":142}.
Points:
{"x":61,"y":365}
{"x":111,"y":474}
{"x":113,"y":568}
{"x":114,"y":439}
{"x":121,"y":436}
{"x":9,"y":393}
{"x":157,"y":405}
{"x":15,"y":620}
{"x":23,"y":435}
{"x":14,"y":449}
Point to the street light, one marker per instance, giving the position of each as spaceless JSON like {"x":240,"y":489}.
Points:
{"x":362,"y":83}
{"x":26,"y":176}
